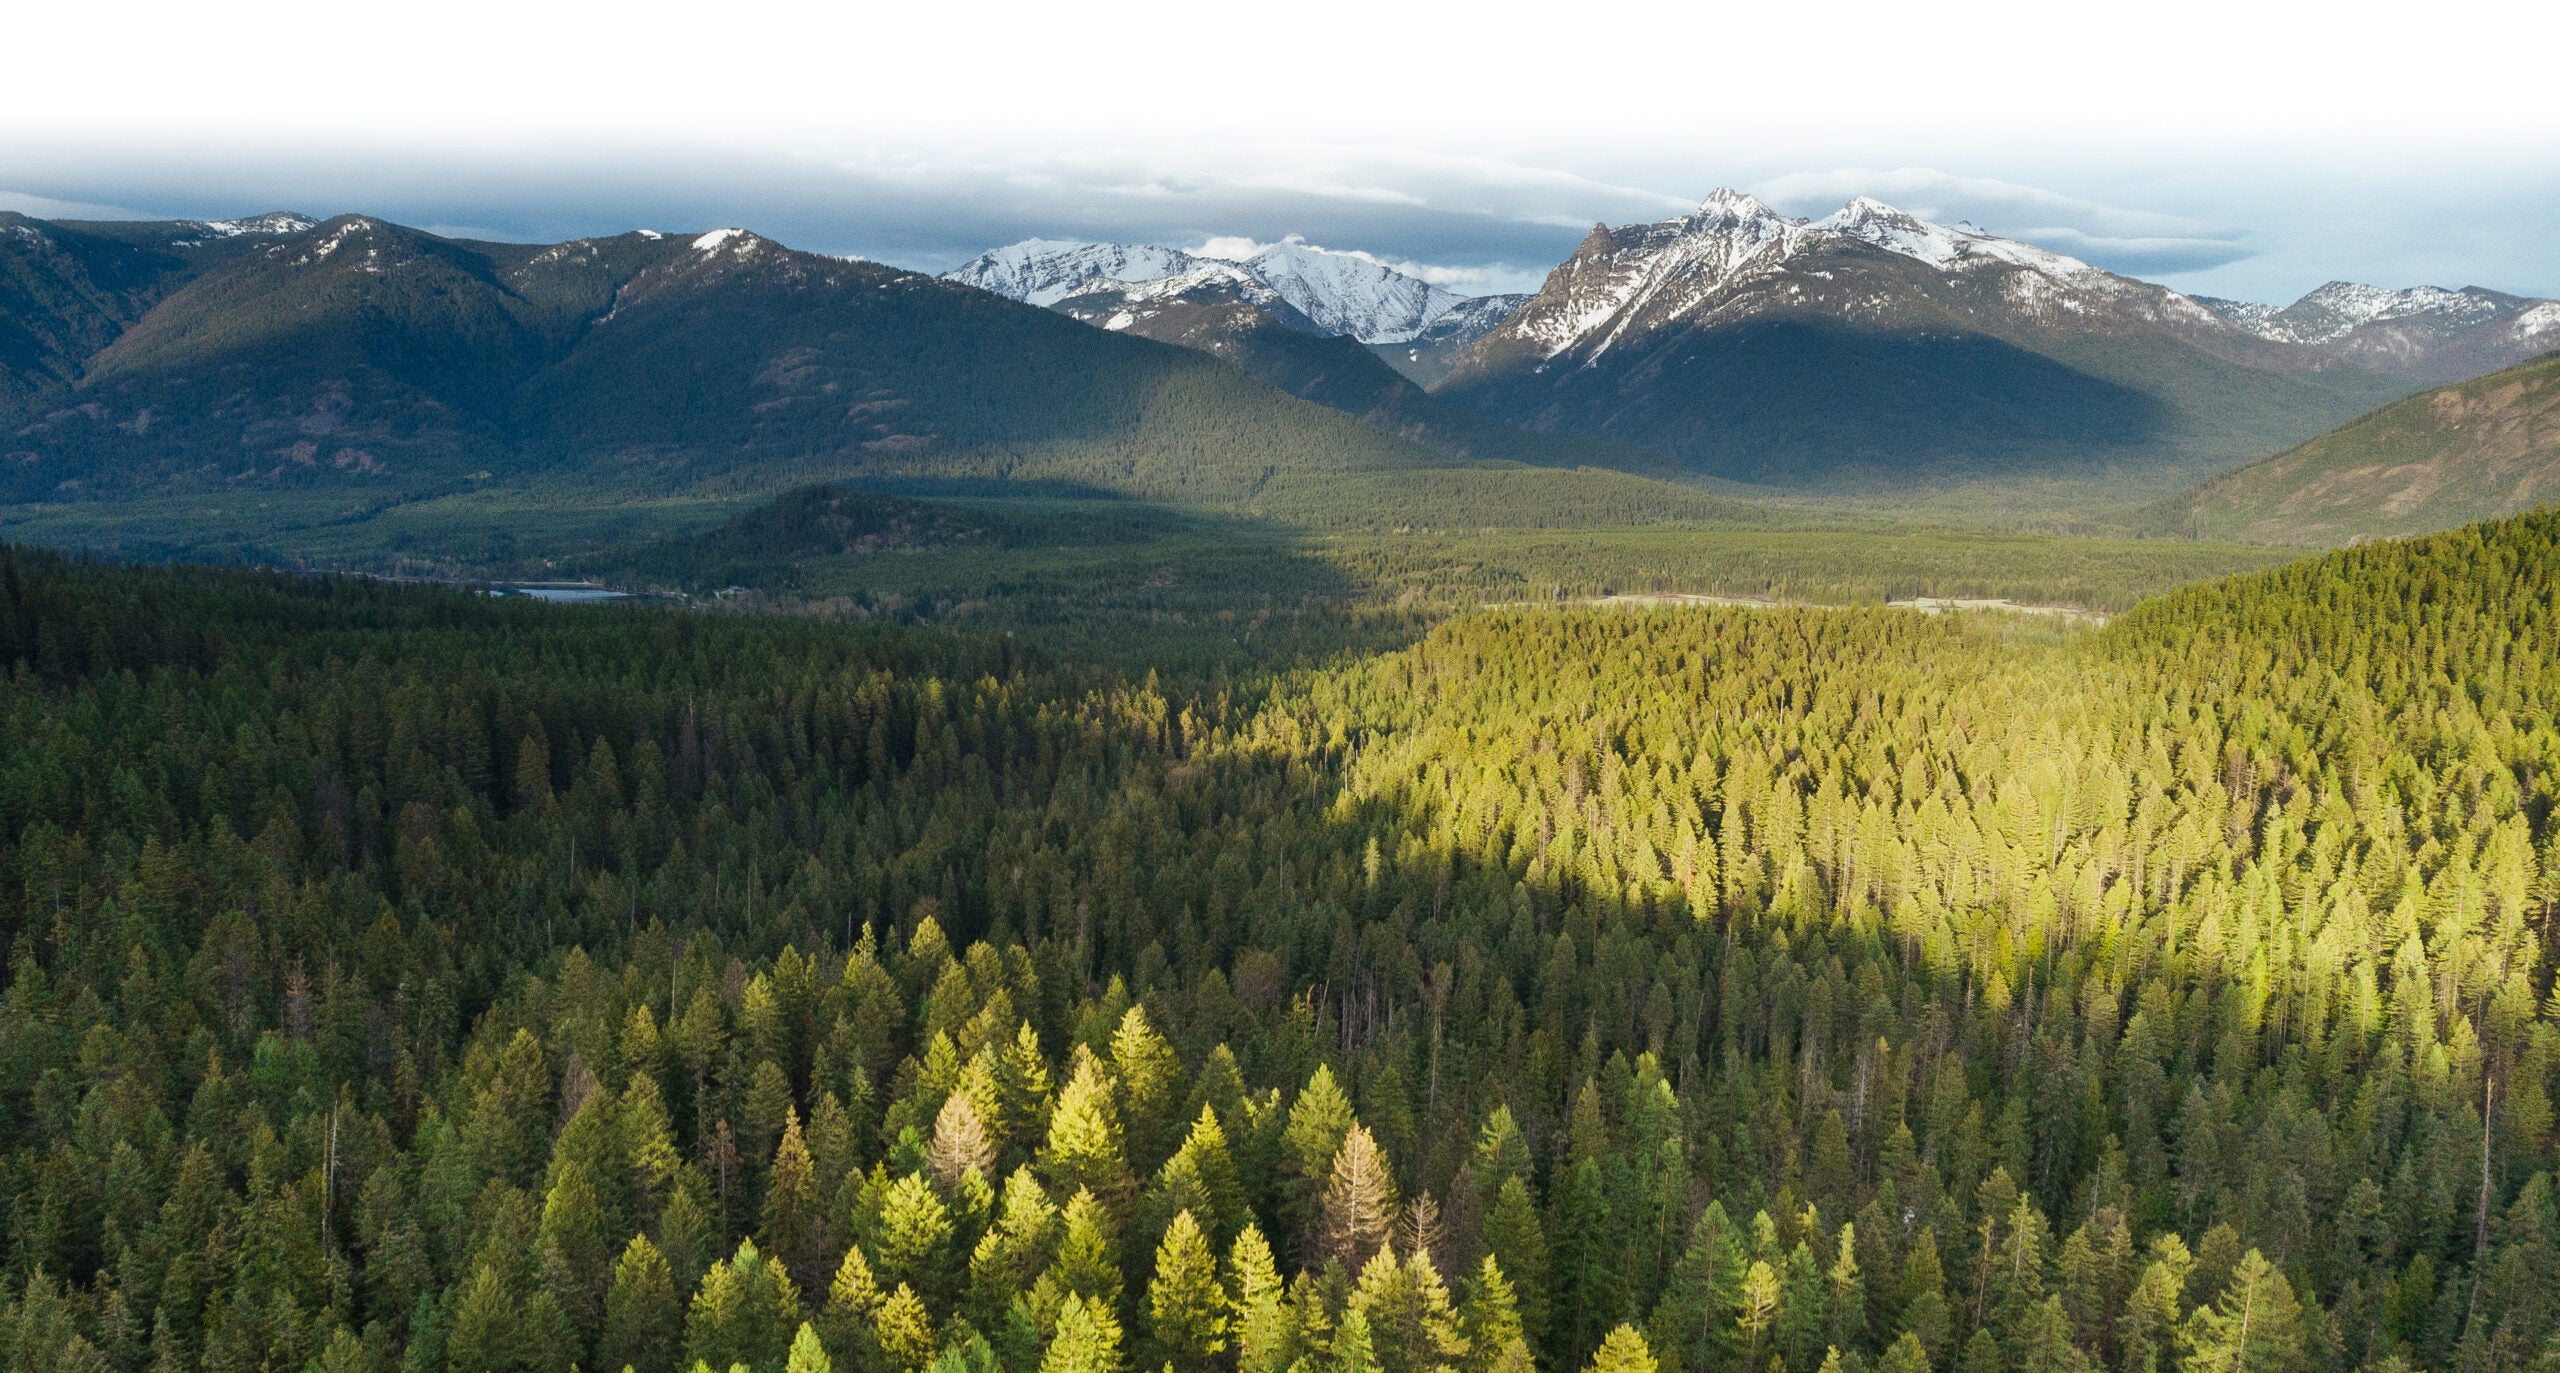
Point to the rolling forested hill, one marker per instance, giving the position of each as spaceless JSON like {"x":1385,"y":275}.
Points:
{"x":399,"y":980}
{"x":2475,"y":450}
{"x":361,"y":356}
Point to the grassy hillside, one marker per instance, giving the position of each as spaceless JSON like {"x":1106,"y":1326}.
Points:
{"x":2471,"y":451}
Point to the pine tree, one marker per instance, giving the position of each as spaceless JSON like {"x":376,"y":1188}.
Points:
{"x":1145,"y":1069}
{"x":1803,"y":1308}
{"x":1848,"y":1327}
{"x":1693,"y":1326}
{"x":1489,"y":1318}
{"x":1085,"y":1264}
{"x":905,"y":1331}
{"x":960,"y":1145}
{"x":745,"y":1313}
{"x":1904,"y":1355}
{"x":1757,"y":1310}
{"x":1924,"y":1312}
{"x":1359,"y":1207}
{"x":1513,"y":1236}
{"x":1622,"y":1351}
{"x":648,"y":1142}
{"x":914,"y":1237}
{"x":1186,"y":1310}
{"x":1319,"y":1120}
{"x":577,"y":1250}
{"x":1012,"y":1253}
{"x":1353,"y":1350}
{"x":642,"y":1319}
{"x":1088,"y":1339}
{"x":1084,"y":1150}
{"x":2254,"y":1326}
{"x":1022,"y":1092}
{"x":849,"y":1322}
{"x":807,"y":1354}
{"x":794,"y":1222}
{"x":1412,"y":1327}
{"x":1263,"y":1336}
{"x":2147,"y":1333}
{"x":2042,"y":1342}
{"x":1583,"y":1248}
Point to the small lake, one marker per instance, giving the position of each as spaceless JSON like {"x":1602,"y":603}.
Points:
{"x":569,"y":594}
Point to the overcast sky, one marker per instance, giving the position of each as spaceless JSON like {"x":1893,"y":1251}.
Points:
{"x":2227,"y":148}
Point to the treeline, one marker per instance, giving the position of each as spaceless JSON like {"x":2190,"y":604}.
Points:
{"x":404,"y":982}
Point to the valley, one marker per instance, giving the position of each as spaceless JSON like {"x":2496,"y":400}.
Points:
{"x":1817,"y":795}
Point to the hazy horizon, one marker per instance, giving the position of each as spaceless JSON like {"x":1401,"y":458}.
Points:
{"x":2215,"y":149}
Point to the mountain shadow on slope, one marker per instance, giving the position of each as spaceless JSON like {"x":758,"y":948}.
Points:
{"x":1274,"y":346}
{"x":1795,"y":403}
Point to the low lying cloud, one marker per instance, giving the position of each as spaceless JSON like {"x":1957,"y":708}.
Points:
{"x":46,"y":207}
{"x":2134,"y":242}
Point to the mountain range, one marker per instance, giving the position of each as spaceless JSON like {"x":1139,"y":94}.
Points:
{"x":1872,"y":345}
{"x":379,"y":363}
{"x":1866,"y":347}
{"x":1322,"y":291}
{"x":2425,"y":333}
{"x":357,"y":353}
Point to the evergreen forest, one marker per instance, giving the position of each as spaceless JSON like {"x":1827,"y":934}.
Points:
{"x":403,"y":981}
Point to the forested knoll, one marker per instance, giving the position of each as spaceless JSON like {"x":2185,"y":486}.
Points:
{"x":404,"y":982}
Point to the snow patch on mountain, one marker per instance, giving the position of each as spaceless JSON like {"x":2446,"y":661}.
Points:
{"x":274,"y":222}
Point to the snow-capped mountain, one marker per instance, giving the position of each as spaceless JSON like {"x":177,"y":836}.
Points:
{"x":2425,"y":333}
{"x":1735,"y":257}
{"x":1756,"y":344}
{"x":1348,"y":294}
{"x":1044,"y":271}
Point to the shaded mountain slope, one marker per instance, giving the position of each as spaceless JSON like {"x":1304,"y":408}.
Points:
{"x":1874,"y":346}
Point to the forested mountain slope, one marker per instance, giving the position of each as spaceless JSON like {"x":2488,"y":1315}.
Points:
{"x":360,"y":356}
{"x":1343,"y":374}
{"x":1872,"y":348}
{"x":68,"y":290}
{"x":2476,"y":450}
{"x":399,"y":981}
